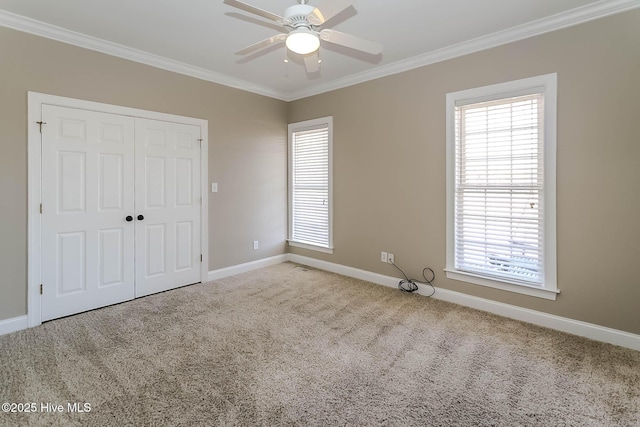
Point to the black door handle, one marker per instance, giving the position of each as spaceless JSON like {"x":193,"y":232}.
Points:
{"x":129,"y":218}
{"x":140,"y":217}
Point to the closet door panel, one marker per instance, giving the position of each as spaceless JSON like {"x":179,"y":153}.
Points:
{"x":167,"y":205}
{"x":87,"y":193}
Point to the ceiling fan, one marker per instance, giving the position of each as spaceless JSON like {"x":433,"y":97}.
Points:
{"x":302,"y":23}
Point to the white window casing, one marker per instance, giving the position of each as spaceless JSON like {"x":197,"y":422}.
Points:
{"x":501,"y":182}
{"x":310,"y":184}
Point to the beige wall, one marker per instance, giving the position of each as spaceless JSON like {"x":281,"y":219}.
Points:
{"x":247,"y":147}
{"x":389,"y":166}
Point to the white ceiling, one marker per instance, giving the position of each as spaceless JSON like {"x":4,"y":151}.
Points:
{"x":199,"y":37}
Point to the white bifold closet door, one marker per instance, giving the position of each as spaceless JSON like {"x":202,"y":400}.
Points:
{"x":121,"y":208}
{"x":168,"y":196}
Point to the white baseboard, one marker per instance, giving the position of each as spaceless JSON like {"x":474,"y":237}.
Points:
{"x":14,"y":324}
{"x":575,"y":327}
{"x":247,"y":266}
{"x":356,"y":273}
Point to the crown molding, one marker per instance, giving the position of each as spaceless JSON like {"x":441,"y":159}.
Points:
{"x":552,"y":23}
{"x":38,"y":28}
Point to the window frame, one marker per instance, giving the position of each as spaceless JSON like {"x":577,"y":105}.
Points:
{"x":547,"y":85}
{"x":298,"y":127}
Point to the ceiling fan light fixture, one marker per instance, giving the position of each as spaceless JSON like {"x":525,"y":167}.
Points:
{"x":302,"y":41}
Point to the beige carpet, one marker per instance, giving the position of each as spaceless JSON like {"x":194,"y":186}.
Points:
{"x":287,"y":345}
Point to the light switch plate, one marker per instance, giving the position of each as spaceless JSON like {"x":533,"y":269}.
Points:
{"x":214,"y":187}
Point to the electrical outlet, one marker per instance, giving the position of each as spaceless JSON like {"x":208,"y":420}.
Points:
{"x":391,"y":258}
{"x":383,"y":256}
{"x":255,"y":245}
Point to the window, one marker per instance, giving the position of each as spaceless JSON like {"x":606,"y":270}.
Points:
{"x":501,"y":186}
{"x":310,"y":184}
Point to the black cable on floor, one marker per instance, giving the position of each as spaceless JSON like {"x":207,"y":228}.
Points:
{"x":411,"y":285}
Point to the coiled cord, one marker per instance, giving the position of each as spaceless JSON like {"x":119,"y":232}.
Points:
{"x":411,"y":285}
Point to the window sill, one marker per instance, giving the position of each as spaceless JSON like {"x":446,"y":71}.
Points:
{"x":310,"y":247}
{"x":502,"y":285}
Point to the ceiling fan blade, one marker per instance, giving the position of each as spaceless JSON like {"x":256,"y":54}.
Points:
{"x":252,"y":9}
{"x":262,"y":44}
{"x":327,"y":10}
{"x":353,"y":42}
{"x":312,"y":62}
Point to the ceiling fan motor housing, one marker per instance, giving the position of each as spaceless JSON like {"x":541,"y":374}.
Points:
{"x":296,"y":16}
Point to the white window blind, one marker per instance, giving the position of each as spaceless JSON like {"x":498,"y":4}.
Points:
{"x":310,"y":186}
{"x":498,"y":195}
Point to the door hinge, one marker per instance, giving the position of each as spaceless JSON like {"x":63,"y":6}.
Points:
{"x":40,"y":288}
{"x":41,"y":123}
{"x":40,"y":207}
{"x":200,"y":139}
{"x":200,"y":257}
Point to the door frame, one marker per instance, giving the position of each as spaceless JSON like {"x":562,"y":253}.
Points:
{"x":34,"y":183}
